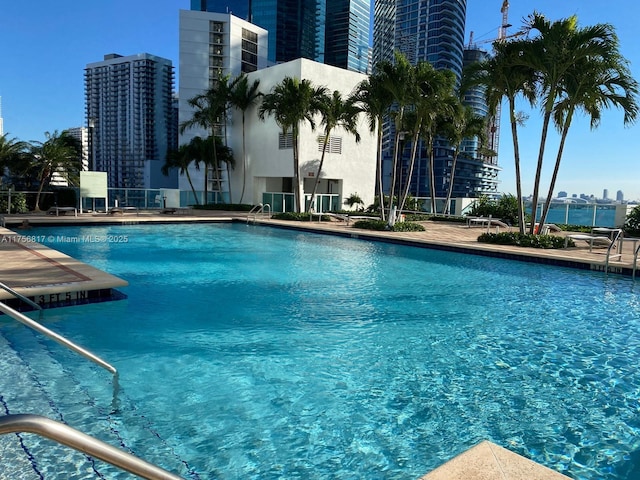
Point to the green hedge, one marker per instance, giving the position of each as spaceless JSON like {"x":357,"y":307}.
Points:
{"x":296,"y":216}
{"x":381,"y":225}
{"x":526,"y":240}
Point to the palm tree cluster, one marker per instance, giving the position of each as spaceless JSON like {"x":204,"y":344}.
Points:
{"x":292,"y":103}
{"x":421,"y":104}
{"x":38,"y":162}
{"x":563,"y":68}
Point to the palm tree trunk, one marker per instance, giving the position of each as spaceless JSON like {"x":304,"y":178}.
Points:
{"x":244,"y":160}
{"x":412,"y":162}
{"x":536,"y":185}
{"x":379,"y":173}
{"x":296,"y":175}
{"x":450,"y":191}
{"x":556,"y":168}
{"x":432,"y":180}
{"x":516,"y":155}
{"x":317,"y":181}
{"x":193,"y":189}
{"x":394,"y":172}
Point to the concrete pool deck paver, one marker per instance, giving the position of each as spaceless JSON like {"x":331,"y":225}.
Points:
{"x":36,"y":270}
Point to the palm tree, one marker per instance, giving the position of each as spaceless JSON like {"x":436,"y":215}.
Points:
{"x":58,"y":154}
{"x":209,"y":114}
{"x":592,"y":85}
{"x":375,"y":101}
{"x":433,"y":102}
{"x":505,"y":76}
{"x":242,"y":97}
{"x":291,"y":103}
{"x":463,"y":124}
{"x":395,"y":78}
{"x":553,"y":54}
{"x":182,"y":159}
{"x":336,"y":113}
{"x":12,"y":153}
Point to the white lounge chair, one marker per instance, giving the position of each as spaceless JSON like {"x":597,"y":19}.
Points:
{"x":592,"y":240}
{"x":486,"y":221}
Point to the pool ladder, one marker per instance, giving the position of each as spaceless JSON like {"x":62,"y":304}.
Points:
{"x":66,"y":435}
{"x":616,"y":241}
{"x":635,"y":262}
{"x":260,"y":208}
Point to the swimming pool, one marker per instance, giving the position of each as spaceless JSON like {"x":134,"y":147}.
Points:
{"x":253,"y":352}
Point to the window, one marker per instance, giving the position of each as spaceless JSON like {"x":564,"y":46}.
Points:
{"x":334,"y":144}
{"x":285,"y":141}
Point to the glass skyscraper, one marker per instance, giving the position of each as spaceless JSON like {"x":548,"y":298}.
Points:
{"x":335,"y":32}
{"x":427,"y":30}
{"x":433,"y":31}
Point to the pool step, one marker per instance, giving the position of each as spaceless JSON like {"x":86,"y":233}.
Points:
{"x":40,"y":384}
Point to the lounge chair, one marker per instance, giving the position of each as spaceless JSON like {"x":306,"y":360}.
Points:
{"x":486,"y":221}
{"x":593,"y":240}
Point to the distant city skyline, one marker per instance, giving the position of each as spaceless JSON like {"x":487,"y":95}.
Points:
{"x":41,"y":76}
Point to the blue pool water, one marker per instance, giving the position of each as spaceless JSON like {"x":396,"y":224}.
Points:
{"x":252,"y":352}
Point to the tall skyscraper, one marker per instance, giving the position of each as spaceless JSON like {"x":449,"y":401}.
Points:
{"x":129,"y":108}
{"x":335,"y":32}
{"x":422,"y":30}
{"x":1,"y":121}
{"x":433,"y":31}
{"x":238,"y":8}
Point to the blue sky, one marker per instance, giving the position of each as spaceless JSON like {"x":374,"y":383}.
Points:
{"x":47,"y":44}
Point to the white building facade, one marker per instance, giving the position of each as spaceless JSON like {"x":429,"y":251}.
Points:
{"x":349,"y":167}
{"x":215,"y":43}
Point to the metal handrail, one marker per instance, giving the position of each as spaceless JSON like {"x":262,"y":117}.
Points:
{"x":18,"y":295}
{"x":67,"y":343}
{"x":66,"y":435}
{"x":259,"y":208}
{"x":635,"y":262}
{"x":615,"y":242}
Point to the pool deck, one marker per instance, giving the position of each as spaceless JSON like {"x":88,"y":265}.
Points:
{"x":50,"y":277}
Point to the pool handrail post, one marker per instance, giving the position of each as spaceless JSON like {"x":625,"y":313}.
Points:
{"x":69,"y":436}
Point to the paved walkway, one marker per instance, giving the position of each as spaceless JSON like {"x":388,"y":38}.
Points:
{"x":45,"y":275}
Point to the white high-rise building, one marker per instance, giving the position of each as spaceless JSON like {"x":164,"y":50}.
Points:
{"x":213,"y":44}
{"x":1,"y":121}
{"x":129,"y":108}
{"x":82,"y":135}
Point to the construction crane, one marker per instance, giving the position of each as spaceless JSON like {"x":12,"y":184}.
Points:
{"x":502,"y":30}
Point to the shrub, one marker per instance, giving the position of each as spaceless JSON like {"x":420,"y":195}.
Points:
{"x":632,"y":223}
{"x":505,"y":209}
{"x":407,"y":227}
{"x":381,"y":225}
{"x":18,"y":203}
{"x":525,"y":240}
{"x":295,"y":216}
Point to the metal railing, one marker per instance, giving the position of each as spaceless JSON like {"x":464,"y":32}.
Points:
{"x":18,"y":295}
{"x":260,"y":208}
{"x":616,"y":241}
{"x":57,"y":337}
{"x":635,"y":261}
{"x":66,"y":435}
